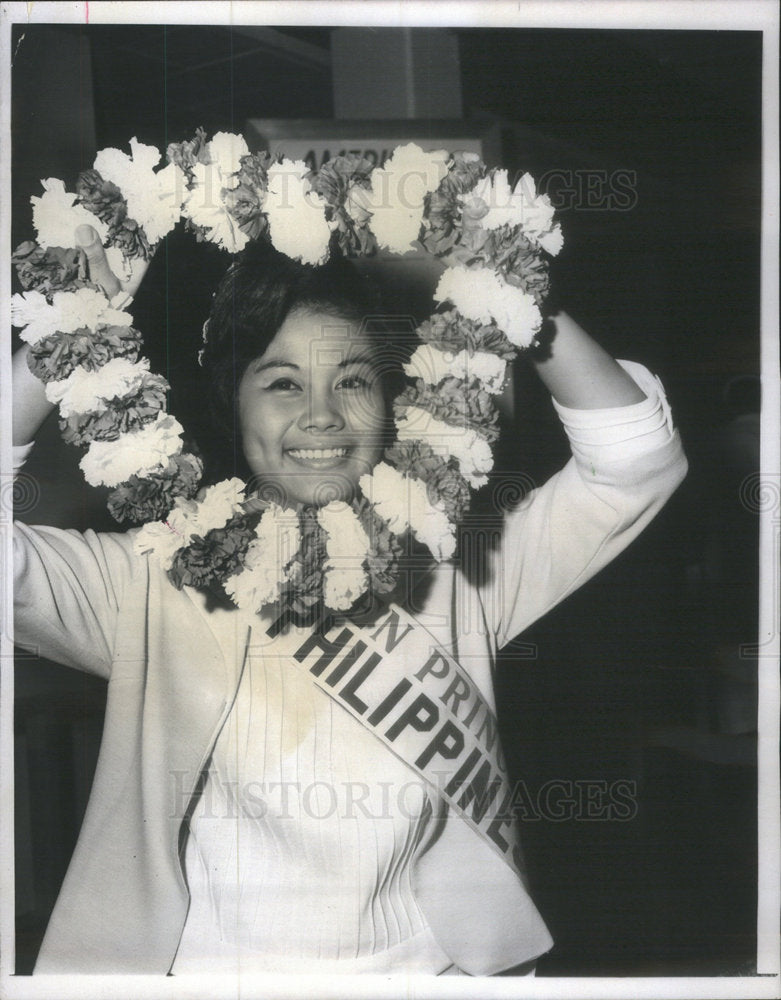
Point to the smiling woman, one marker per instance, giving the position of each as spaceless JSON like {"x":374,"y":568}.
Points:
{"x":312,"y":404}
{"x":299,"y":382}
{"x":307,"y":775}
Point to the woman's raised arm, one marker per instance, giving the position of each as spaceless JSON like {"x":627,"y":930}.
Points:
{"x":31,"y":407}
{"x":579,"y":373}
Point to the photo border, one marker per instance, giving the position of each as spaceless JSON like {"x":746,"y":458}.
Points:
{"x":656,"y":14}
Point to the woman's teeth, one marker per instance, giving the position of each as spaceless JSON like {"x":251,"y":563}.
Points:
{"x":318,"y":452}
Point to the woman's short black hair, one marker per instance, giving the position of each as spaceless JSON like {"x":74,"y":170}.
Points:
{"x":255,"y":297}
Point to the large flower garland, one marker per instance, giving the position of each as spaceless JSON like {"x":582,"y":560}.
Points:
{"x":83,"y":346}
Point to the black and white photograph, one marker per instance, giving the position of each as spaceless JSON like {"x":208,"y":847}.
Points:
{"x":390,"y":500}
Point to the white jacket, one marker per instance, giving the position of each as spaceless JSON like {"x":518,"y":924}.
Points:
{"x":173,"y":664}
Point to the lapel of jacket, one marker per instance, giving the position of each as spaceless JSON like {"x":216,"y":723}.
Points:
{"x":124,"y":901}
{"x":201,"y":655}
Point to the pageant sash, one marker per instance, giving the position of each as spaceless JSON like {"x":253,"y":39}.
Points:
{"x":395,"y":678}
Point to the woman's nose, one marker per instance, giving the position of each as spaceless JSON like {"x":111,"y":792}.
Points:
{"x":321,"y":413}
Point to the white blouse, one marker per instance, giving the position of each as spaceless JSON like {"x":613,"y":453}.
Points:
{"x":299,"y":847}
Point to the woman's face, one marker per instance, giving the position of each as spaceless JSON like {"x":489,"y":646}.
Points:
{"x":311,"y":409}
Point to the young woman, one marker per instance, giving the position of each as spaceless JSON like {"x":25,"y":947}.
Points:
{"x":258,"y":805}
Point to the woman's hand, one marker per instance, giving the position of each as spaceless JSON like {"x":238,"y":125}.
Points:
{"x":97,"y":264}
{"x":30,"y":405}
{"x":99,"y":270}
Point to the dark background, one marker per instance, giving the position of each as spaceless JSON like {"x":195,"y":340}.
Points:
{"x":642,"y":676}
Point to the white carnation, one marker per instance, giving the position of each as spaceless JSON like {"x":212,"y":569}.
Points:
{"x":398,"y":193}
{"x":396,"y":230}
{"x":296,"y":214}
{"x":226,"y":150}
{"x":205,"y":207}
{"x":403,"y":503}
{"x":495,"y":198}
{"x":343,"y":585}
{"x":277,"y":540}
{"x":432,"y":527}
{"x":388,"y":490}
{"x":139,"y":452}
{"x":432,"y":365}
{"x":161,"y":540}
{"x":69,"y":311}
{"x":482,"y":296}
{"x":279,"y":532}
{"x":347,"y":547}
{"x":256,"y":584}
{"x":489,"y":369}
{"x":154,"y":200}
{"x":161,"y":208}
{"x":182,"y":519}
{"x":32,"y":312}
{"x":522,"y":207}
{"x":470,"y":449}
{"x":123,"y":170}
{"x":553,"y":241}
{"x":87,"y":307}
{"x":56,"y":217}
{"x":346,"y":537}
{"x":218,"y":504}
{"x":536,"y":209}
{"x":86,"y":391}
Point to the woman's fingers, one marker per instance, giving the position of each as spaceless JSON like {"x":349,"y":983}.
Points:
{"x":99,"y":271}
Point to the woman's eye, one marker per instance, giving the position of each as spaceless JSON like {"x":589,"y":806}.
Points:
{"x":282,"y":384}
{"x":354,"y":382}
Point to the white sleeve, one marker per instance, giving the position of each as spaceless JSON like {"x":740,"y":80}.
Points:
{"x":20,"y":454}
{"x":626,"y":463}
{"x":68,"y":588}
{"x":627,"y":430}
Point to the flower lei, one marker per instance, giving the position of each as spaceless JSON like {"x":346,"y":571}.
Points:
{"x":86,"y":351}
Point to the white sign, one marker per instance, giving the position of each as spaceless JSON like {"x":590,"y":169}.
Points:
{"x":289,"y":139}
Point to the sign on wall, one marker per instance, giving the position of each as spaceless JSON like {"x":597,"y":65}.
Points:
{"x":315,"y":141}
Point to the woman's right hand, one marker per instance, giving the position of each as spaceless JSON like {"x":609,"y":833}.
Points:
{"x":30,"y":405}
{"x":100,"y":272}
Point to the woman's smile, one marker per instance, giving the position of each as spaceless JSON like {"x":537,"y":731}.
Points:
{"x":319,"y":458}
{"x":313,"y":404}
